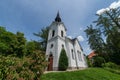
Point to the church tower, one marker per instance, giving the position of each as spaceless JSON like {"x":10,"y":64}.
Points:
{"x":56,"y":41}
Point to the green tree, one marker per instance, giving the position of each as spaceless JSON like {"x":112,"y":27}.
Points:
{"x":21,"y":46}
{"x":98,"y":61}
{"x":8,"y":41}
{"x":94,"y":39}
{"x":12,"y":43}
{"x":30,"y":47}
{"x":43,"y":35}
{"x":63,"y":60}
{"x":108,"y":24}
{"x":13,"y":64}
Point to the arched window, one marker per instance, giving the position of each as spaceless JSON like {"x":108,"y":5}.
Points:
{"x":51,"y":46}
{"x":62,"y":33}
{"x":79,"y":56}
{"x":62,"y":46}
{"x":53,"y":33}
{"x":73,"y":57}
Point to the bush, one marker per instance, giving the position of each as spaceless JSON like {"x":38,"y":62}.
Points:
{"x":110,"y":65}
{"x":63,"y":61}
{"x":98,"y":61}
{"x":27,"y":68}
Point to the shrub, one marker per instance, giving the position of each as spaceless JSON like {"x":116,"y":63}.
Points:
{"x":63,"y":61}
{"x":27,"y":68}
{"x":110,"y":65}
{"x":98,"y":61}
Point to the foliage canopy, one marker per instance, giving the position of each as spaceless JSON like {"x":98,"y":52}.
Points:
{"x":19,"y":59}
{"x":104,"y":38}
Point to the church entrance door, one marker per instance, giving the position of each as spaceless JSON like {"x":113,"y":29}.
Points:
{"x":50,"y":60}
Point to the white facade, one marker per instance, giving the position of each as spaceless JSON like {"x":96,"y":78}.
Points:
{"x":57,"y":39}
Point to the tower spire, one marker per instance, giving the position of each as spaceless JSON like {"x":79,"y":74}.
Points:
{"x":58,"y":19}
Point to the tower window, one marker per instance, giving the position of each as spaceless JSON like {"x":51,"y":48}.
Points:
{"x":53,"y":33}
{"x":51,"y":46}
{"x":62,"y":33}
{"x":73,"y":57}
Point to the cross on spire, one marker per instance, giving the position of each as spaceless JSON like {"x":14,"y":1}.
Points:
{"x":58,"y":19}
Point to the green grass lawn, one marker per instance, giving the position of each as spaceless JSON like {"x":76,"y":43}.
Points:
{"x":87,"y":74}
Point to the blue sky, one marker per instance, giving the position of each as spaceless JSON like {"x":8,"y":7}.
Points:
{"x":29,"y":16}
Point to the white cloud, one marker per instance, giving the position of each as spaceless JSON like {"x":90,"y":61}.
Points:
{"x":115,"y":5}
{"x":80,"y":38}
{"x":99,"y":12}
{"x":112,"y":6}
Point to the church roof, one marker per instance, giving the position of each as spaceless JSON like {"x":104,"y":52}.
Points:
{"x":58,"y":19}
{"x":73,"y":42}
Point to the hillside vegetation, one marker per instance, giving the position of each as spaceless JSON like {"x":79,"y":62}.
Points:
{"x":88,"y":74}
{"x":20,"y":59}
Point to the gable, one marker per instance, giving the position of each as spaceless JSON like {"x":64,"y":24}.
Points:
{"x":76,"y":42}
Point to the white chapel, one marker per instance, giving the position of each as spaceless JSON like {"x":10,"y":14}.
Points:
{"x":57,"y":39}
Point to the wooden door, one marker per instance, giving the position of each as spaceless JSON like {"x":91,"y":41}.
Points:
{"x":50,"y":65}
